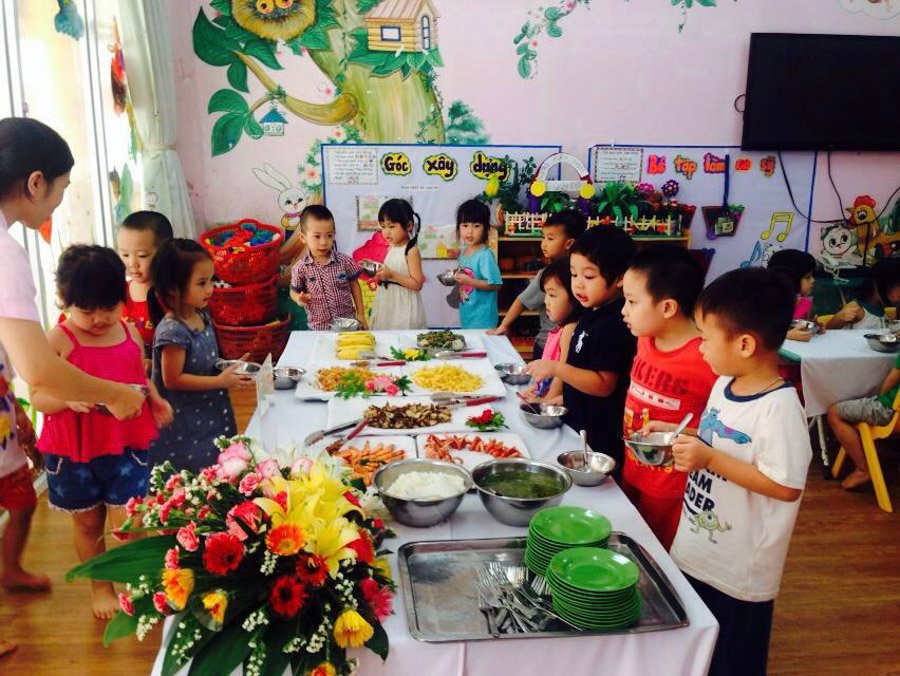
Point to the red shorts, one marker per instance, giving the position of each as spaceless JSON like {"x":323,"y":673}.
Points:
{"x":661,"y":514}
{"x":17,"y":490}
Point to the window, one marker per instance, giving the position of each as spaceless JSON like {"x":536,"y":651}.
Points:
{"x":426,"y":33}
{"x":391,"y":33}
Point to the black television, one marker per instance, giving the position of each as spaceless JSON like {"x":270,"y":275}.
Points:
{"x":822,"y":92}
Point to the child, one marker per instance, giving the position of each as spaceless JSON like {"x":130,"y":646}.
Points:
{"x":184,"y":358}
{"x":96,"y":463}
{"x":797,"y":267}
{"x":398,"y":304}
{"x":668,"y":378}
{"x":478,"y":276}
{"x":881,"y":287}
{"x":748,"y":466}
{"x":595,"y":373}
{"x":138,"y":239}
{"x":564,"y":311}
{"x":323,"y":281}
{"x":558,"y":234}
{"x":873,"y":410}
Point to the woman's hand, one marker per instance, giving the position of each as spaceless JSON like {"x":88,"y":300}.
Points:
{"x":691,"y":454}
{"x":127,"y":404}
{"x":542,"y":368}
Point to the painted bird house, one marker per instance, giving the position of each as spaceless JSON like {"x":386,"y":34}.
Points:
{"x":402,"y":26}
{"x":273,"y":122}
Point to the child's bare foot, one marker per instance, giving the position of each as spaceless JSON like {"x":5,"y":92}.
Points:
{"x":7,"y":647}
{"x":104,"y":602}
{"x":855,"y":479}
{"x":22,"y":580}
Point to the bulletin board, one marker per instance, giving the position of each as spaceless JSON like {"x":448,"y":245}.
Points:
{"x":435,"y":178}
{"x":769,"y":220}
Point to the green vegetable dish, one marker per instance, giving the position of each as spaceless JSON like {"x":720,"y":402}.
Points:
{"x":441,"y":340}
{"x":522,"y":484}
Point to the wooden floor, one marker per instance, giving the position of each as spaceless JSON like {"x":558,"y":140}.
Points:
{"x":838,"y":612}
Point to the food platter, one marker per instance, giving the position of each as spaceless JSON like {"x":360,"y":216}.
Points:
{"x":473,"y":341}
{"x":325,"y":349}
{"x":430,"y":446}
{"x":364,"y":456}
{"x":491,"y":384}
{"x":341,"y":411}
{"x":309,"y":390}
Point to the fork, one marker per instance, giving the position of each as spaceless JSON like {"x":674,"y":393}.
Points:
{"x":488,"y":611}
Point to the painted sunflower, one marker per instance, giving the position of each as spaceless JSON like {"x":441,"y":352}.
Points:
{"x":274,"y":19}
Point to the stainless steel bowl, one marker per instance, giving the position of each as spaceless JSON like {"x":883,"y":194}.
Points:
{"x":287,"y":377}
{"x":512,"y":373}
{"x":344,"y":324}
{"x":803,"y":325}
{"x":548,"y":418}
{"x":446,"y":277}
{"x":245,"y":368}
{"x":599,"y":467}
{"x":517,"y":511}
{"x":370,"y":267}
{"x":883,"y":342}
{"x":652,"y":449}
{"x":419,"y":513}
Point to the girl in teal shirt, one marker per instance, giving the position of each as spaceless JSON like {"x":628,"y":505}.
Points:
{"x":478,"y":276}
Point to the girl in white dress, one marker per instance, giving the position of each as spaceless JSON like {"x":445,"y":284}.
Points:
{"x":398,"y":304}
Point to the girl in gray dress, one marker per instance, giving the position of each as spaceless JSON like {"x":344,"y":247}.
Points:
{"x":184,"y":358}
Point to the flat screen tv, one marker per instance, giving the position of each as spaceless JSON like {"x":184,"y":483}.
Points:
{"x":822,"y":92}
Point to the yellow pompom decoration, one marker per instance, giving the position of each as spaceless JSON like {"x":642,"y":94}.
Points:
{"x":587,"y":191}
{"x":493,"y":186}
{"x":538,"y":188}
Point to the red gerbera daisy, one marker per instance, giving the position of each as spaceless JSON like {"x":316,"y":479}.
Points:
{"x":379,"y":599}
{"x":365,"y":552}
{"x":312,"y":570}
{"x":287,"y":596}
{"x":222,"y":554}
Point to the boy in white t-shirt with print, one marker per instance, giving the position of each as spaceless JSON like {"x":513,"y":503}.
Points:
{"x":748,"y":466}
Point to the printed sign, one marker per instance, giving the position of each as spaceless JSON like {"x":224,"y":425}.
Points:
{"x":441,"y":165}
{"x":356,"y":166}
{"x":395,"y":164}
{"x":617,"y":165}
{"x":484,"y":166}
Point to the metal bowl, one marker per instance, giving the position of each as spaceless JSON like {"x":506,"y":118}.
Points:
{"x":370,"y":267}
{"x":419,"y":513}
{"x":804,"y":325}
{"x":345,"y":324}
{"x":517,"y":511}
{"x":245,"y":368}
{"x":652,"y":449}
{"x":446,"y":277}
{"x":287,"y":377}
{"x":548,"y":418}
{"x":883,"y":342}
{"x":599,"y":467}
{"x":512,"y":373}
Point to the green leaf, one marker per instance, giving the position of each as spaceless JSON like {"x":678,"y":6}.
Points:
{"x":253,"y":127}
{"x":226,"y":133}
{"x":227,"y":101}
{"x":688,"y":3}
{"x":170,"y":665}
{"x":315,"y":38}
{"x":221,"y":6}
{"x":707,"y":3}
{"x":128,"y":562}
{"x":378,"y":644}
{"x":521,"y":49}
{"x":223,"y":653}
{"x":120,"y":626}
{"x":276,"y":638}
{"x":237,"y":76}
{"x":417,"y":60}
{"x":236,"y":32}
{"x":676,"y":2}
{"x":264,"y":50}
{"x":210,"y":43}
{"x":524,"y":68}
{"x":553,"y":30}
{"x":434,"y":57}
{"x":365,"y":5}
{"x":553,"y":13}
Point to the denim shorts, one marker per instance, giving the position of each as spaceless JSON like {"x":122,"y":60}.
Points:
{"x":866,"y":409}
{"x":109,"y":479}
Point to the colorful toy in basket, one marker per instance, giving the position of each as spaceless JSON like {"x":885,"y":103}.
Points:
{"x":245,"y":252}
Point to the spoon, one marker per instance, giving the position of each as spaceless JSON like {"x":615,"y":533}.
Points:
{"x":585,"y":465}
{"x":684,"y":422}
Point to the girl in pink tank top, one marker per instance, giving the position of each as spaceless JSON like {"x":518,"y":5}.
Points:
{"x":95,"y":463}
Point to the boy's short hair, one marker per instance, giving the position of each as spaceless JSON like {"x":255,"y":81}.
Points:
{"x":318,"y":211}
{"x":608,"y":247}
{"x":672,"y":272}
{"x":750,"y":300}
{"x":152,"y":221}
{"x":572,"y":221}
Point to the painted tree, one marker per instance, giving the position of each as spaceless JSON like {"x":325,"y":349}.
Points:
{"x":463,"y":127}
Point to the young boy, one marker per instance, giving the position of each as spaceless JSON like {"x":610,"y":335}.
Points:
{"x":668,"y":377}
{"x":748,"y":466}
{"x":324,"y":280}
{"x":874,"y":410}
{"x":558,"y":234}
{"x":595,"y":372}
{"x":137,"y":241}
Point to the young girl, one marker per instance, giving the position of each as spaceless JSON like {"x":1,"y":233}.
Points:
{"x":398,"y":304}
{"x":478,"y":276}
{"x":797,"y":268}
{"x":564,"y":310}
{"x":184,"y":358}
{"x":880,"y":288}
{"x":96,"y":463}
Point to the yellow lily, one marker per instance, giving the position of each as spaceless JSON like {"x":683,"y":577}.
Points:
{"x":330,"y":541}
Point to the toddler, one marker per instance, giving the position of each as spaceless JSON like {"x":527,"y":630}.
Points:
{"x":478,"y":277}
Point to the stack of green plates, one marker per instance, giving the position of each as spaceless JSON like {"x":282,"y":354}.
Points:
{"x":556,"y":529}
{"x":595,"y":588}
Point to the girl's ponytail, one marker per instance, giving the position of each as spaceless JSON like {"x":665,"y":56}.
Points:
{"x":170,"y":273}
{"x":414,"y":237}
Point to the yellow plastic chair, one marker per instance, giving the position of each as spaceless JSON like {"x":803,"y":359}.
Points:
{"x":869,"y":434}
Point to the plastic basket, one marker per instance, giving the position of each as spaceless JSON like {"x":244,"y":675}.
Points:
{"x":244,"y":265}
{"x":236,"y":341}
{"x":245,"y":305}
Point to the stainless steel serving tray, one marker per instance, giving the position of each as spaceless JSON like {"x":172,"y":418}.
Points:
{"x":438,"y":582}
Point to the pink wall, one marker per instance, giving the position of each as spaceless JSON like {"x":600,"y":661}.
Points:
{"x":621,"y":72}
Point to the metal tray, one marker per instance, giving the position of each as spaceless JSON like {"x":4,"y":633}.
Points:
{"x":439,"y":592}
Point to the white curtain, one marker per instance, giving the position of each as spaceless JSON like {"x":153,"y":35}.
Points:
{"x":151,"y":83}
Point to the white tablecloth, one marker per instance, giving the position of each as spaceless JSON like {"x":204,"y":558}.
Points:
{"x":681,"y":651}
{"x":836,"y":366}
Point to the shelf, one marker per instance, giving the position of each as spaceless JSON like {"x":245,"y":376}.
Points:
{"x":519,"y":239}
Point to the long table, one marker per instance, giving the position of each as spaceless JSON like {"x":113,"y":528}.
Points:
{"x":682,"y":651}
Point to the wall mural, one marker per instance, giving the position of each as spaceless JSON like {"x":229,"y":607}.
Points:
{"x":877,"y":9}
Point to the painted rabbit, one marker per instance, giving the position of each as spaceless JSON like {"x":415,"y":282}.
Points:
{"x":291,"y":199}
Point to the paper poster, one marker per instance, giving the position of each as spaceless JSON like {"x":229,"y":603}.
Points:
{"x":367,"y":207}
{"x":617,"y":164}
{"x":439,"y":242}
{"x":352,"y":166}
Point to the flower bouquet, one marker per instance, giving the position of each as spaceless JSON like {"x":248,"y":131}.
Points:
{"x":270,"y":567}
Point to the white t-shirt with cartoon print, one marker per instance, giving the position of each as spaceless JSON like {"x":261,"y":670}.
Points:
{"x":730,"y":538}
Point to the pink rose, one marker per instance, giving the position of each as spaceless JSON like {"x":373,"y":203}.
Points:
{"x":234,"y":461}
{"x":301,"y":466}
{"x":187,"y":537}
{"x":249,"y":483}
{"x":160,"y":603}
{"x":125,"y":604}
{"x":171,"y":560}
{"x":269,"y":468}
{"x":392,"y":390}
